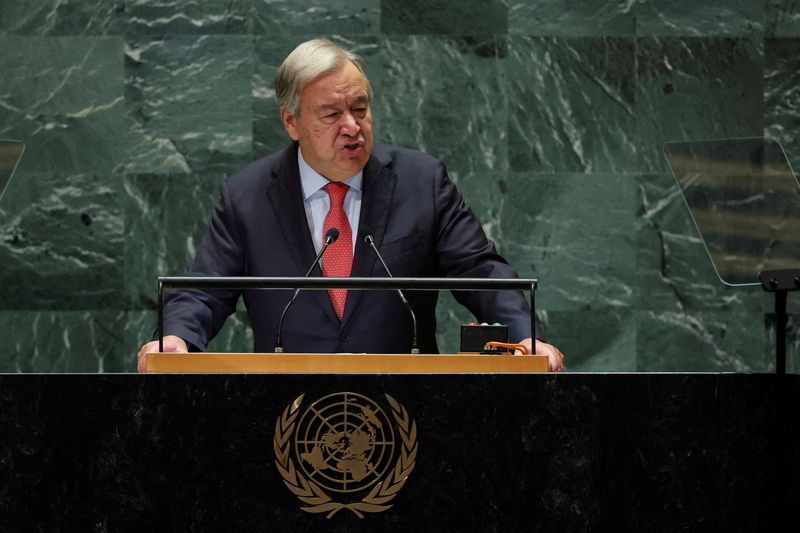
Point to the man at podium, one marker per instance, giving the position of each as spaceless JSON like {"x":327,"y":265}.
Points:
{"x":332,"y":192}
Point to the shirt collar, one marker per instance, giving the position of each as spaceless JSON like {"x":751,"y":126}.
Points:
{"x":312,"y":181}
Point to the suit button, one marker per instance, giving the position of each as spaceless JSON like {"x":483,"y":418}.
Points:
{"x":346,"y":338}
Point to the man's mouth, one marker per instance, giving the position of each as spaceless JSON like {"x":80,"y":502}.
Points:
{"x":353,"y":148}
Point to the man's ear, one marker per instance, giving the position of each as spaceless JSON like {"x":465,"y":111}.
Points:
{"x":289,"y":123}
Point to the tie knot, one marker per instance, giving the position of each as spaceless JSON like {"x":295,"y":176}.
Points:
{"x":337,"y":191}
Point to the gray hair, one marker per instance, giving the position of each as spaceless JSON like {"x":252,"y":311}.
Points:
{"x":307,"y":62}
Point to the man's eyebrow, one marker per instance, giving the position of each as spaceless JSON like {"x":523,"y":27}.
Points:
{"x":360,"y":99}
{"x":324,"y":107}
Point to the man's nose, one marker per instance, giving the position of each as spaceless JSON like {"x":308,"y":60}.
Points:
{"x":349,"y":125}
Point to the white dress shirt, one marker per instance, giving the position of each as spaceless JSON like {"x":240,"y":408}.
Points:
{"x":317,"y":203}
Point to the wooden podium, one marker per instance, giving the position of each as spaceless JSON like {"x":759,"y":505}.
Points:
{"x":308,"y":363}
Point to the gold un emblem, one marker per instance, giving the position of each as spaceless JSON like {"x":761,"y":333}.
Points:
{"x":341,"y":453}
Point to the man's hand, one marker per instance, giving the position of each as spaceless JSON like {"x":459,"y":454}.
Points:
{"x":555,"y":359}
{"x":171,"y":344}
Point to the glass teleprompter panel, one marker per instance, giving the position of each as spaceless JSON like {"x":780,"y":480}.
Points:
{"x":744,"y":199}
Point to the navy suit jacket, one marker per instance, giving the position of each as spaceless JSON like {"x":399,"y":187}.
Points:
{"x":420,"y":224}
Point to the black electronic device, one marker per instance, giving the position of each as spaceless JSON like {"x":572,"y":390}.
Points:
{"x":475,"y":336}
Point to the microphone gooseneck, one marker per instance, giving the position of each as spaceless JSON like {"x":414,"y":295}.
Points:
{"x":330,"y":238}
{"x":371,"y":242}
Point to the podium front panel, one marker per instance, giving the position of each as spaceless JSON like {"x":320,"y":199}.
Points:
{"x":410,"y":452}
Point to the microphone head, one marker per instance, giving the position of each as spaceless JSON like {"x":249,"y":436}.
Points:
{"x":368,"y":239}
{"x":331,"y":235}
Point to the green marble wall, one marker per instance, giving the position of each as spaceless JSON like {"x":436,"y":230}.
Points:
{"x":550,"y":116}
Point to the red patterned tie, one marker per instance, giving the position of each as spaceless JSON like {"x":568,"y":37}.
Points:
{"x":338,"y":260}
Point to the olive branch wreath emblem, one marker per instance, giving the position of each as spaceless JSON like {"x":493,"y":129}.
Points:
{"x":312,"y":494}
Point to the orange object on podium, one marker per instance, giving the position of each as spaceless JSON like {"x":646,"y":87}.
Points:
{"x":315,"y":363}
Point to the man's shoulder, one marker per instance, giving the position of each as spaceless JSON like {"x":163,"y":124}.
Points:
{"x":390,"y":153}
{"x":260,"y":171}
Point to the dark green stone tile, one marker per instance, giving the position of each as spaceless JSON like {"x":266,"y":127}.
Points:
{"x":575,"y":234}
{"x":782,"y":95}
{"x":702,"y":341}
{"x":691,"y":18}
{"x":280,"y":19}
{"x":589,"y":18}
{"x":692,"y":89}
{"x":268,"y":133}
{"x":782,"y":18}
{"x":61,"y":242}
{"x":596,"y":340}
{"x":180,"y":17}
{"x":62,"y":17}
{"x":571,"y":105}
{"x":63,"y":341}
{"x":444,"y":17}
{"x":673,"y":270}
{"x":444,"y":96}
{"x":165,"y":219}
{"x":189,"y":99}
{"x":63,"y":97}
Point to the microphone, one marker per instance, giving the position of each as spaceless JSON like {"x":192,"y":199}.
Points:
{"x":330,"y":238}
{"x":371,"y":241}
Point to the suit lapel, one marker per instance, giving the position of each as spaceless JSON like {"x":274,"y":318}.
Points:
{"x":285,"y":194}
{"x":376,"y":205}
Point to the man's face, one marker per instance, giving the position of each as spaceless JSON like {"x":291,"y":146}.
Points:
{"x":334,"y":126}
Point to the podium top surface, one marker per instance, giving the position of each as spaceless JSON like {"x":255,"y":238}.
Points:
{"x":287,"y":363}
